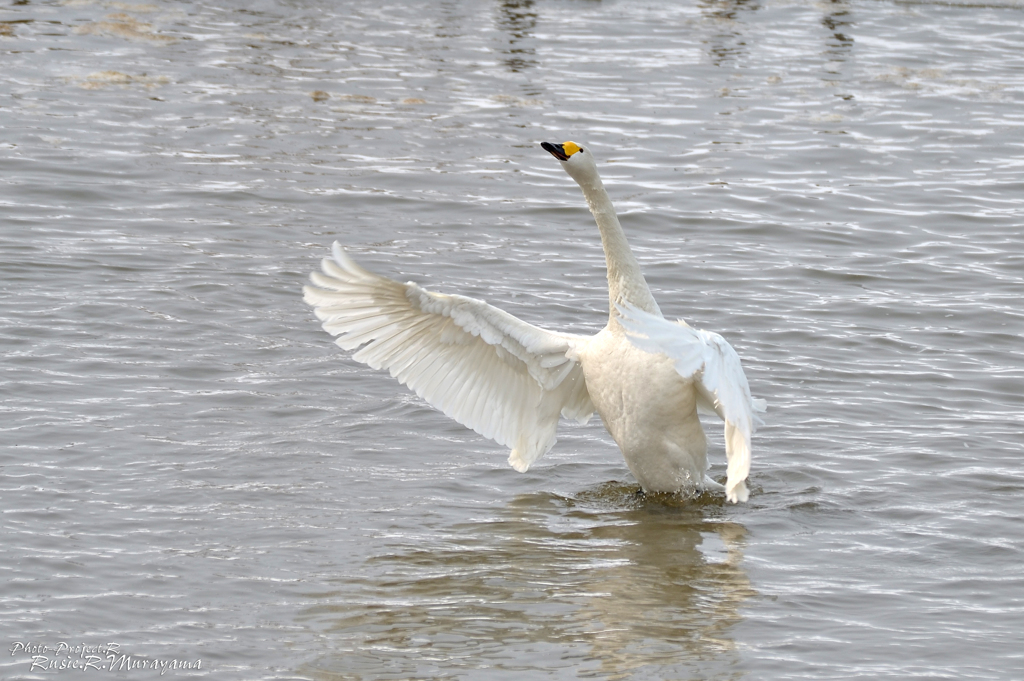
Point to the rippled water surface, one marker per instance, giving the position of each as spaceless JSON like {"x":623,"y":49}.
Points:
{"x":193,"y":471}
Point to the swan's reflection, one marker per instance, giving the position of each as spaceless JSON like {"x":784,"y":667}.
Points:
{"x":518,"y":19}
{"x":726,"y":41}
{"x":604,"y":584}
{"x":837,"y":18}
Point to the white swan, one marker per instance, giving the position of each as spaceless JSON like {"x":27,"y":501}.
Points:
{"x":510,"y":381}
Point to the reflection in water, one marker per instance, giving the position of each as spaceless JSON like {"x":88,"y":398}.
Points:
{"x":605,"y":584}
{"x":836,"y":19}
{"x":450,"y":19}
{"x":518,"y":19}
{"x":727,"y":43}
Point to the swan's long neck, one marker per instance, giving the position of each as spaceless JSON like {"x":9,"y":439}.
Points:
{"x":626,"y":284}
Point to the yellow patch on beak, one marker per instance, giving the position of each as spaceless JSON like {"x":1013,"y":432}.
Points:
{"x":570,"y":148}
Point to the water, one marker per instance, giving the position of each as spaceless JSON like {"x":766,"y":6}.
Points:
{"x":192,"y":471}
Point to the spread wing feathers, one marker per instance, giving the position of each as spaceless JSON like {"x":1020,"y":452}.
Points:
{"x":504,"y":378}
{"x":715,"y":368}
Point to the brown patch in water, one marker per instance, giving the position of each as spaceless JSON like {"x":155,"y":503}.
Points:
{"x":129,"y":7}
{"x":102,"y":79}
{"x":112,"y":4}
{"x":512,"y":100}
{"x":125,"y":26}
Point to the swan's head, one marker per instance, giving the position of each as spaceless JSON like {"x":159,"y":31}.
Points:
{"x":576,"y":160}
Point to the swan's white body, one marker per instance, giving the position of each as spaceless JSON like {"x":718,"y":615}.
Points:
{"x":511,"y":381}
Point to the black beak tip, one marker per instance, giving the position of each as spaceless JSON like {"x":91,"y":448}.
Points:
{"x":555,"y":150}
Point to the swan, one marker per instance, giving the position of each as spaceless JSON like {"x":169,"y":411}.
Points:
{"x":510,"y":381}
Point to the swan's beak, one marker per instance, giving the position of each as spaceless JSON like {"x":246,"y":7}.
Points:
{"x":555,"y":150}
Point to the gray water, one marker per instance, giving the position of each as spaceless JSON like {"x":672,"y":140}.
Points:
{"x":194,"y":472}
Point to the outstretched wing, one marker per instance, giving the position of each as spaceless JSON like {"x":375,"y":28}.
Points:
{"x":504,"y":378}
{"x":711,"y":362}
